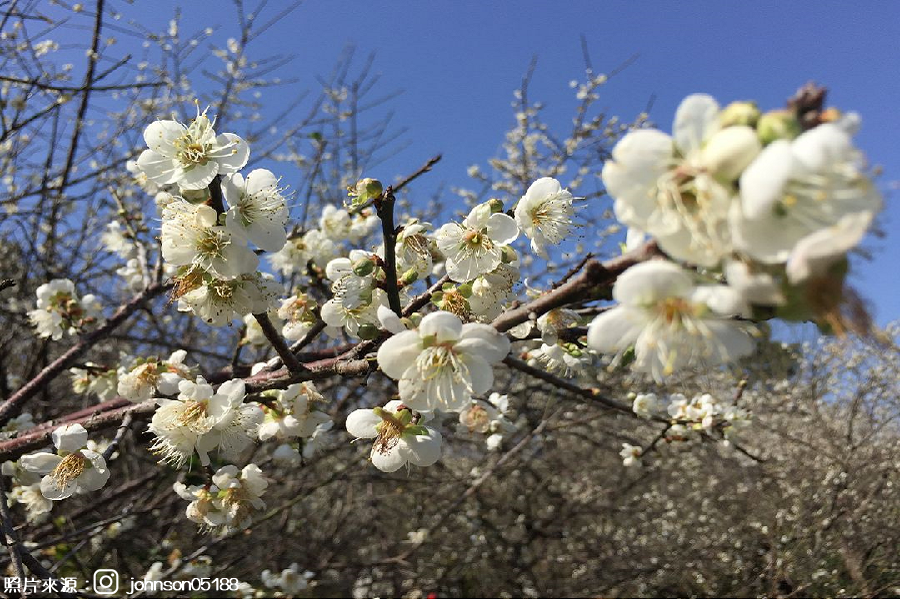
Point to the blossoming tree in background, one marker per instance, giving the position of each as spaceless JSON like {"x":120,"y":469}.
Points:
{"x":503,"y":373}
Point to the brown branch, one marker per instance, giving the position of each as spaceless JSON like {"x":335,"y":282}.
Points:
{"x":287,"y":357}
{"x":596,"y":277}
{"x":422,"y":170}
{"x":385,"y":208}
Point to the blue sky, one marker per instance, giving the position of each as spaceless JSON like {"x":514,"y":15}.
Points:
{"x":459,"y":62}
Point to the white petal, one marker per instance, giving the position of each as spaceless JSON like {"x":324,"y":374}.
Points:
{"x":233,"y":158}
{"x":52,"y":491}
{"x":398,"y":353}
{"x":502,"y":228}
{"x":198,"y":176}
{"x":650,"y":282}
{"x":388,"y":460}
{"x":814,"y":253}
{"x":160,"y":136}
{"x":70,"y":438}
{"x":542,"y":188}
{"x":389,"y":320}
{"x":616,"y":329}
{"x":421,"y":450}
{"x":696,"y":119}
{"x":481,"y":375}
{"x":361,"y":423}
{"x":158,"y":168}
{"x":40,"y":462}
{"x":259,"y":180}
{"x":444,"y":325}
{"x":819,"y":148}
{"x":762,"y":183}
{"x":483,"y":341}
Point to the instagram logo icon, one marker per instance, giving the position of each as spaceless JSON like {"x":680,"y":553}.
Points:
{"x":106,"y":582}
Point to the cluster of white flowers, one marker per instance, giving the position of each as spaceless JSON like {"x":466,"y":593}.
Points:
{"x":706,"y":412}
{"x":202,"y":420}
{"x":229,"y":500}
{"x":289,"y":581}
{"x":748,"y":195}
{"x":59,"y":310}
{"x":150,"y":375}
{"x":291,"y":414}
{"x":217,"y":277}
{"x":490,"y":418}
{"x":94,"y":379}
{"x":72,"y":469}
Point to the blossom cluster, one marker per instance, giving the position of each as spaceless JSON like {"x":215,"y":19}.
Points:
{"x":61,"y":312}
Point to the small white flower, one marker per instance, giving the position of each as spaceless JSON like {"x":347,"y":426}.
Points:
{"x":220,"y":301}
{"x":444,"y":362}
{"x":398,"y":441}
{"x":291,"y":581}
{"x":291,"y":415}
{"x":257,"y":208}
{"x":312,"y":246}
{"x":190,"y":236}
{"x":59,"y":310}
{"x":73,"y":469}
{"x":298,"y":315}
{"x":671,"y":323}
{"x":631,"y":455}
{"x":192,"y":155}
{"x":645,"y":405}
{"x":544,"y":214}
{"x":475,"y":246}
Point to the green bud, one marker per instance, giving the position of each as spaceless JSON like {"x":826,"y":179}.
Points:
{"x":495,"y":205}
{"x":465,"y":289}
{"x":195,"y":196}
{"x":363,"y":267}
{"x":367,"y":331}
{"x":437,"y":298}
{"x":741,"y":112}
{"x":410,"y":277}
{"x":365,"y":190}
{"x":777,"y":125}
{"x":508,"y":255}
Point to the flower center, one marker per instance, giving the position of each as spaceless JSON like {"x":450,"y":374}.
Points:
{"x":192,"y":415}
{"x":68,"y":469}
{"x":674,"y":309}
{"x":476,"y":419}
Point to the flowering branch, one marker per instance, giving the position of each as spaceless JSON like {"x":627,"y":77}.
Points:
{"x":385,"y":207}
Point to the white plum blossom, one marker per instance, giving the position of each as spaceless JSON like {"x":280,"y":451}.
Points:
{"x":229,"y":501}
{"x":491,"y":418}
{"x":312,"y":246}
{"x":444,"y":362}
{"x":148,"y":376}
{"x":671,"y":323}
{"x":796,"y":189}
{"x":298,"y":315}
{"x":413,"y":248}
{"x":490,"y":291}
{"x":95,"y":380}
{"x":72,"y":469}
{"x":204,"y":421}
{"x":398,"y":441}
{"x":59,"y":310}
{"x":116,"y":240}
{"x":680,"y":189}
{"x":291,"y":581}
{"x":220,"y":301}
{"x":291,"y":413}
{"x":336,"y":314}
{"x":631,"y":455}
{"x":645,"y":405}
{"x":191,"y":155}
{"x":475,"y":246}
{"x":544,"y":214}
{"x":257,"y":208}
{"x":191,"y":236}
{"x":37,"y":507}
{"x":560,"y":360}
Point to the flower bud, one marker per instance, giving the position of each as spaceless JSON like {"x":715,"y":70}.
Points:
{"x":777,"y":125}
{"x":365,"y":190}
{"x":508,"y":255}
{"x":730,"y":150}
{"x":496,"y":205}
{"x":363,"y":266}
{"x":410,"y":277}
{"x":367,"y":331}
{"x":741,"y":112}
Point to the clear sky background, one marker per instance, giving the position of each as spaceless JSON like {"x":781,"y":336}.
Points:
{"x":459,"y":62}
